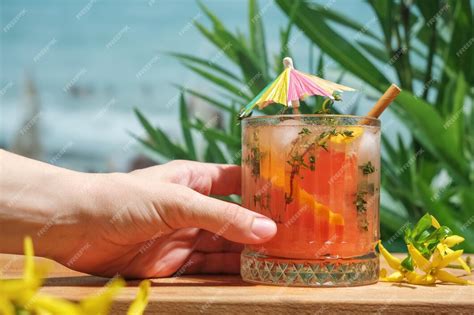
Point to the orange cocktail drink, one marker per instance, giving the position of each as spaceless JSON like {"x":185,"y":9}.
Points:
{"x":318,"y":178}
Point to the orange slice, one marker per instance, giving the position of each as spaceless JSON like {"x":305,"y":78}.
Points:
{"x":336,"y":218}
{"x":341,"y":139}
{"x":274,"y":172}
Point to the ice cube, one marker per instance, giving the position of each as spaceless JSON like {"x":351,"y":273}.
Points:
{"x":368,"y":147}
{"x":284,"y":134}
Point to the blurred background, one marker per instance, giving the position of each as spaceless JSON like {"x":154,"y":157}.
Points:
{"x":73,"y":70}
{"x":102,"y":85}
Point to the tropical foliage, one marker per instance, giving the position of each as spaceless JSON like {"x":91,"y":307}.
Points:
{"x":424,"y":46}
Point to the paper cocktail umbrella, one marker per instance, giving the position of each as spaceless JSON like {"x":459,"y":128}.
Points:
{"x":290,"y":87}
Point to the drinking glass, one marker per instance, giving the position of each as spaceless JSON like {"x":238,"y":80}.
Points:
{"x":318,"y":178}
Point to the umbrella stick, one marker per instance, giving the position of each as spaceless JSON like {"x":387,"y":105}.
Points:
{"x":288,"y":64}
{"x":296,"y":107}
{"x":382,"y":103}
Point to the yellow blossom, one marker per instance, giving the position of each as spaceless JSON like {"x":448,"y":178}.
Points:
{"x":19,"y":295}
{"x":435,"y":223}
{"x":6,"y":307}
{"x":141,"y":300}
{"x":395,"y":264}
{"x":433,"y":269}
{"x":21,"y":290}
{"x":444,"y":249}
{"x":45,"y":304}
{"x":100,"y":303}
{"x":450,"y":241}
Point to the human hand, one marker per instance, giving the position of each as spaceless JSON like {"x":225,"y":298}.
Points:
{"x":160,"y":221}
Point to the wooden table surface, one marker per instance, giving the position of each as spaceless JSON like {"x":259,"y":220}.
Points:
{"x":230,"y":295}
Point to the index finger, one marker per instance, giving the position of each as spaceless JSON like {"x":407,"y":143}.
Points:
{"x":210,"y":178}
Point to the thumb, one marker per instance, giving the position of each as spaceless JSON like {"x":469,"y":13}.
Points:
{"x":188,"y":208}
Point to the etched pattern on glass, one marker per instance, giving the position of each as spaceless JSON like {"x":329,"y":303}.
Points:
{"x":255,"y":268}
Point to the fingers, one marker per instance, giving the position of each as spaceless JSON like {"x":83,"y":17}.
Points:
{"x":212,"y":263}
{"x":210,"y":242}
{"x":208,"y":178}
{"x":187,"y":208}
{"x":224,"y":179}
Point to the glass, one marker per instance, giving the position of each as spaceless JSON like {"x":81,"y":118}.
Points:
{"x":318,"y":178}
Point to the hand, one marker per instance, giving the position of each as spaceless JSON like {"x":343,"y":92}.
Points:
{"x":154,"y":222}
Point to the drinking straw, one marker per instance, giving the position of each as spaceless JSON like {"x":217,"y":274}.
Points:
{"x":382,"y":103}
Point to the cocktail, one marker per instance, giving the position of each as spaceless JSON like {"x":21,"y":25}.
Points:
{"x":318,"y":178}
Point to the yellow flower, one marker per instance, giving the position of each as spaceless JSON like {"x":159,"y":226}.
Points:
{"x":435,"y":223}
{"x":395,"y":264}
{"x":21,"y":290}
{"x":450,"y":241}
{"x":444,"y":249}
{"x":45,"y":304}
{"x":139,"y":304}
{"x":100,"y":303}
{"x":433,"y":269}
{"x":22,"y":294}
{"x":6,"y":307}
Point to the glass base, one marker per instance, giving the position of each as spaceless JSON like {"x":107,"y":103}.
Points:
{"x":262,"y":269}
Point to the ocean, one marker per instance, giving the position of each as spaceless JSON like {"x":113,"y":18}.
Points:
{"x":91,"y":62}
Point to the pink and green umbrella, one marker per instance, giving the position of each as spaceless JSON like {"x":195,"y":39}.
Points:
{"x":290,"y":87}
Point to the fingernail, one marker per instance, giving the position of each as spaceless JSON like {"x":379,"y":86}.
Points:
{"x":263,"y":227}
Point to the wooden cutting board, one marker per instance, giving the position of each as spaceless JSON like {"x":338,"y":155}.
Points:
{"x":230,"y":295}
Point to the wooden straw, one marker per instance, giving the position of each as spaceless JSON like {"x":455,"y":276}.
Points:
{"x":390,"y":94}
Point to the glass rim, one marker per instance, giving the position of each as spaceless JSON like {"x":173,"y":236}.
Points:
{"x":369,"y":121}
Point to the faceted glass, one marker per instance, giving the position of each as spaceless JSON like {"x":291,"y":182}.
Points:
{"x":318,"y":178}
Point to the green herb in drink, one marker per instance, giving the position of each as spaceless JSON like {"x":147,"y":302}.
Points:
{"x":367,"y":168}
